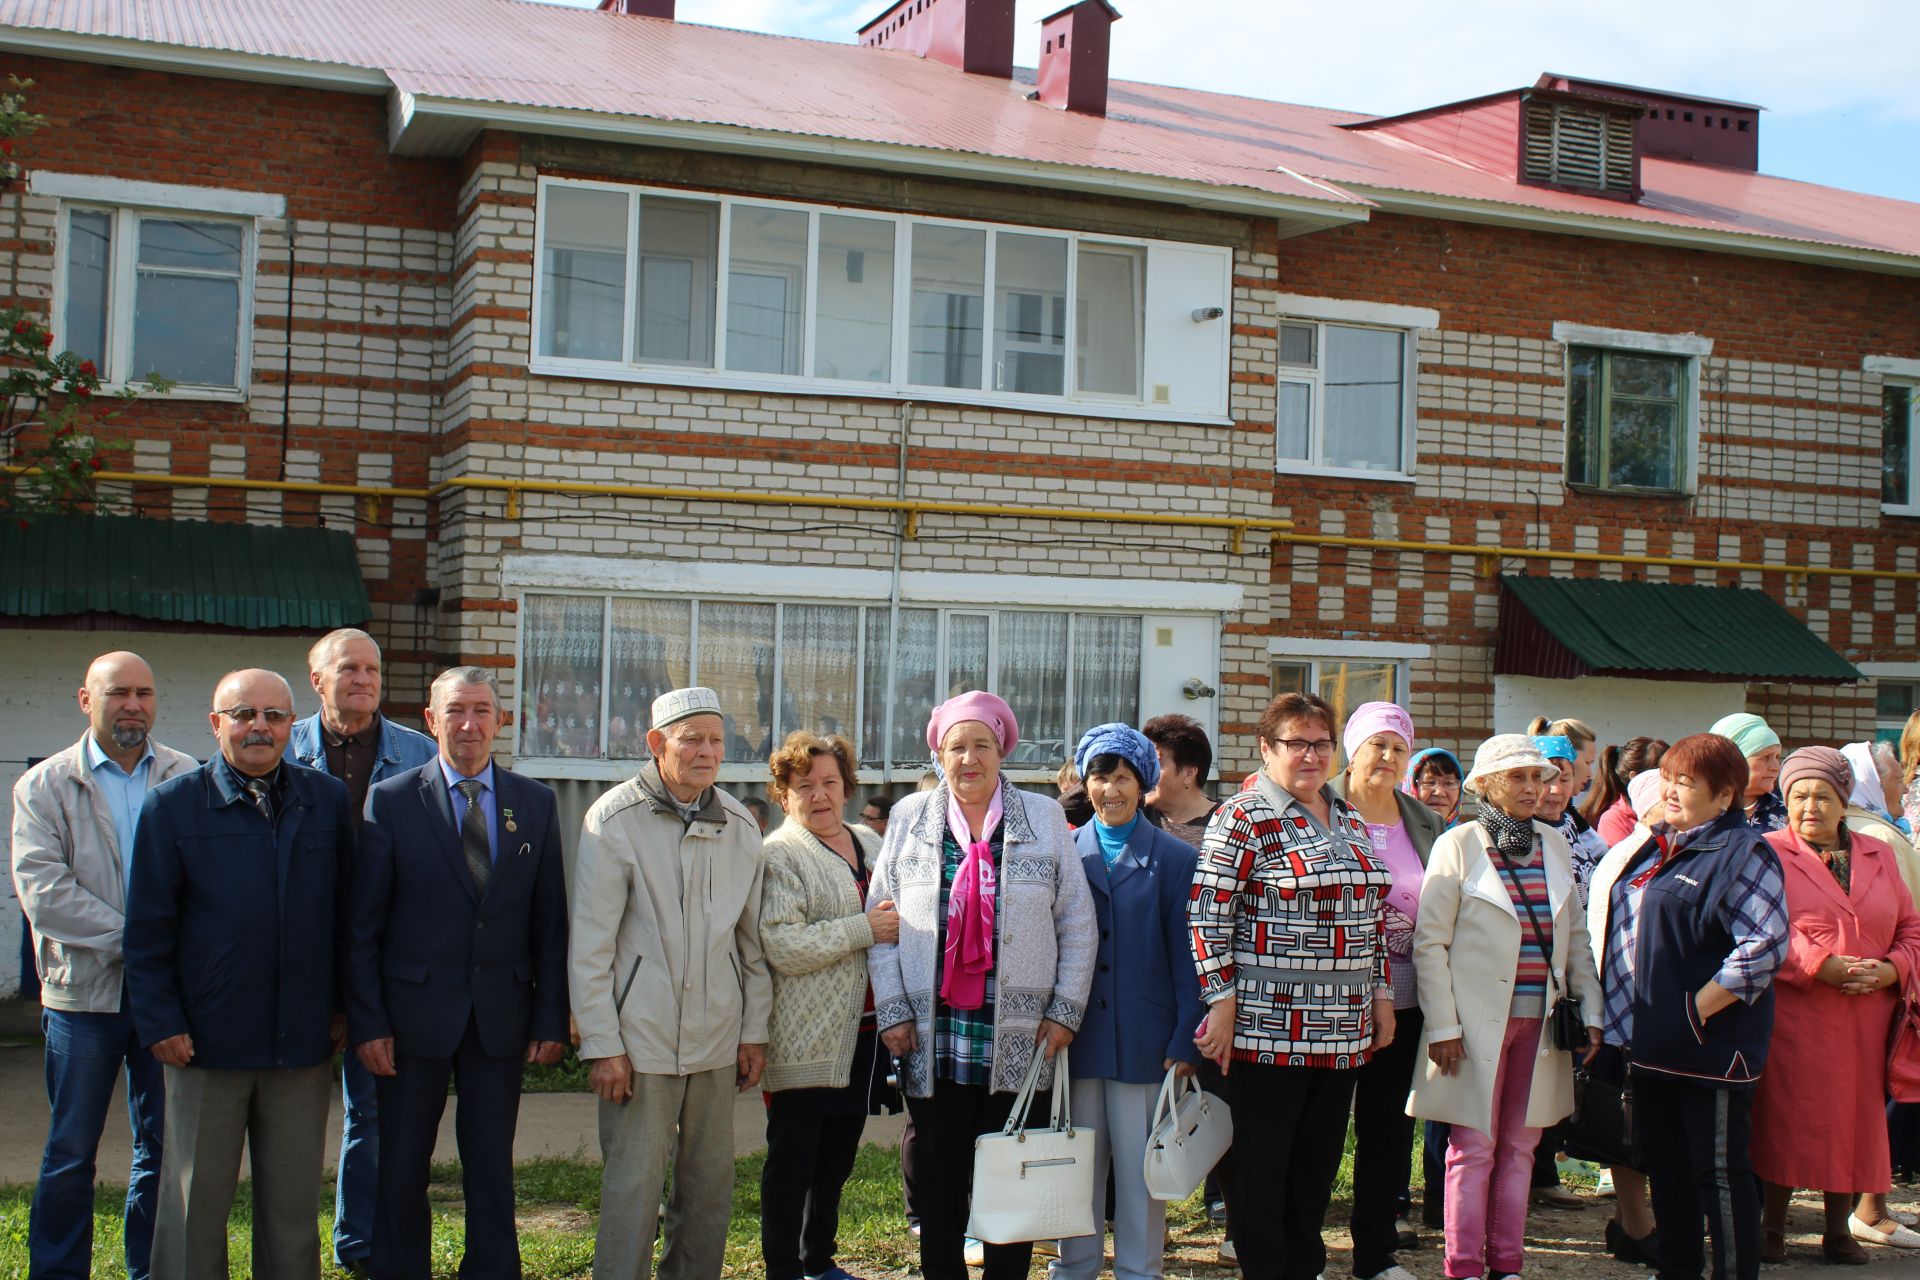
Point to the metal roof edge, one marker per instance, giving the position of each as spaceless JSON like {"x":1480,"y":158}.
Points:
{"x":262,"y":68}
{"x":411,"y":111}
{"x":1751,"y":244}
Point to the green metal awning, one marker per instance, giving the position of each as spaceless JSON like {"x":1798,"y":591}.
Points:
{"x":1565,"y":628}
{"x":240,"y":576}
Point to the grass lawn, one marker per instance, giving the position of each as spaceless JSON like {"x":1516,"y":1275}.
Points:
{"x":559,"y":1202}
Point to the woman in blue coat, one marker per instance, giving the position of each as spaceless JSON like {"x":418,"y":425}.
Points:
{"x":1145,"y":1003}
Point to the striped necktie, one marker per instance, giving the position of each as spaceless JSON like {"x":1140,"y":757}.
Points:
{"x":473,"y":835}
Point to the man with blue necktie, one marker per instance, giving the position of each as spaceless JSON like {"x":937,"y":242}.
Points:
{"x":456,"y":970}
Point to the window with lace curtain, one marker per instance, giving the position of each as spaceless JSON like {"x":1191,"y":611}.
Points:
{"x":591,"y":666}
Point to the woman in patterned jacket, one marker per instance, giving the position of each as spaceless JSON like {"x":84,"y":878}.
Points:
{"x":1287,"y":935}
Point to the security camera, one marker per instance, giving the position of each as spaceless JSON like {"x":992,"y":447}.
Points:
{"x":1203,"y":314}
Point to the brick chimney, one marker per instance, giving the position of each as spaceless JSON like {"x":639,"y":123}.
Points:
{"x":640,"y":8}
{"x":973,"y":35}
{"x":1074,"y":45}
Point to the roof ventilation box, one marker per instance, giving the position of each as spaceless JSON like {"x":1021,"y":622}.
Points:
{"x":1679,"y":126}
{"x":1581,"y":142}
{"x":1074,"y":52}
{"x":973,"y":35}
{"x":639,"y":8}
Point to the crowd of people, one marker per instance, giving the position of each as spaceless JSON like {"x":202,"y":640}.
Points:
{"x":1700,"y":950}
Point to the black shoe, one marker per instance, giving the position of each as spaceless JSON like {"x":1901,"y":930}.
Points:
{"x":1627,"y":1249}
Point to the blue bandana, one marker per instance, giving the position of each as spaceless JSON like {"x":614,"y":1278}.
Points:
{"x":1121,"y":740}
{"x":1555,"y":747}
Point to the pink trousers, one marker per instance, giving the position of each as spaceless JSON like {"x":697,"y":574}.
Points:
{"x":1488,"y":1174}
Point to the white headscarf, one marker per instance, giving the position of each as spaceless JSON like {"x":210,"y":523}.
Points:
{"x":1867,"y":791}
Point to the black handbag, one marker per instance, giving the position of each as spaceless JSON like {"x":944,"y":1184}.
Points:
{"x":1601,"y":1126}
{"x":1565,"y":1024}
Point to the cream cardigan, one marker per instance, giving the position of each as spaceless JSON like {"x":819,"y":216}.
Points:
{"x":814,"y":931}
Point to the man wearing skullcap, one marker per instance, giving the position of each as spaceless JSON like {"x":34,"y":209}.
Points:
{"x":670,"y":991}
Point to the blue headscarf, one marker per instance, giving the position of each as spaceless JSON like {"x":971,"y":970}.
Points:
{"x":1121,"y":740}
{"x":1413,"y":768}
{"x":1555,"y":747}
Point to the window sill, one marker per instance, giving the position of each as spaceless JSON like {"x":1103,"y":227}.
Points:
{"x":1343,"y":473}
{"x":714,"y":380}
{"x":206,"y":395}
{"x":1909,"y":512}
{"x":1600,"y":491}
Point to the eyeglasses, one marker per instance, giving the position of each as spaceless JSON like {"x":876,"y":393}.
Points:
{"x":247,"y":715}
{"x":1301,"y":746}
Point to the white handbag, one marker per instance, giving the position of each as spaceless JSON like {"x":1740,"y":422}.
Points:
{"x":1191,"y":1130}
{"x":1034,"y":1184}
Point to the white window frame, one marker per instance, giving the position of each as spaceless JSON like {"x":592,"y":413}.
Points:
{"x":947,"y":593}
{"x":128,"y":201}
{"x":1143,"y":407}
{"x":1688,"y":347}
{"x":1900,"y":371}
{"x":1409,"y":322}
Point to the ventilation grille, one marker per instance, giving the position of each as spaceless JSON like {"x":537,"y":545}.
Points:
{"x":1579,"y":147}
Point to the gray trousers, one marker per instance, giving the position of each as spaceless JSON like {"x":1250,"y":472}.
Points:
{"x":685,"y":1122}
{"x":1121,"y":1117}
{"x":280,"y":1118}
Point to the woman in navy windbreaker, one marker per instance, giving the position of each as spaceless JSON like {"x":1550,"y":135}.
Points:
{"x":1696,"y":927}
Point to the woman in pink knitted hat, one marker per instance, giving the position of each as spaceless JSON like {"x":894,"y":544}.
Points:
{"x":993,"y":962}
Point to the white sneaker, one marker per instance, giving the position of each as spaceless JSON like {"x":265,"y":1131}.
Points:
{"x":1227,"y":1252}
{"x":1900,"y":1237}
{"x":1394,"y":1272}
{"x":1604,"y":1187}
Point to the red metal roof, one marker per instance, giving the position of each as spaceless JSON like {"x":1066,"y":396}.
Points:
{"x":512,"y":54}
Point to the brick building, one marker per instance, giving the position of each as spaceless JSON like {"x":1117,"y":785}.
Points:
{"x":629,"y":352}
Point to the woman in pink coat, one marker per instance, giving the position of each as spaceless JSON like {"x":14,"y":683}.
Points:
{"x":1819,"y":1119}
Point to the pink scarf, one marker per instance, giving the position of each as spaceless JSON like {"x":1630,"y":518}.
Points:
{"x":969,"y":954}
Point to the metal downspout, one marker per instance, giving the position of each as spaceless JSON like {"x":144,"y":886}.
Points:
{"x":893,"y":602}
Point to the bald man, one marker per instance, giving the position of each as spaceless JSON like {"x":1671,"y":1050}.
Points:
{"x":74,"y":818}
{"x":239,"y":871}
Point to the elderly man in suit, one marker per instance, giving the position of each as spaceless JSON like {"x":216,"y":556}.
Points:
{"x":349,"y":739}
{"x":230,"y":951}
{"x":74,"y":819}
{"x":457,"y":969}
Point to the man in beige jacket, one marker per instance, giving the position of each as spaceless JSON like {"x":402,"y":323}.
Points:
{"x":74,"y":817}
{"x":670,"y":991}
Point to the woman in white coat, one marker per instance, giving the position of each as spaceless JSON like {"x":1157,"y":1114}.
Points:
{"x":1501,"y":936}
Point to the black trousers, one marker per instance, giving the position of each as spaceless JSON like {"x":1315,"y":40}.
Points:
{"x":1382,"y":1145}
{"x":1695,"y":1138}
{"x":810,"y":1152}
{"x":485,"y":1114}
{"x":944,"y":1127}
{"x":1290,"y":1126}
{"x":1219,"y":1184}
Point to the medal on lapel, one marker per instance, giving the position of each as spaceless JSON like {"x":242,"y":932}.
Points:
{"x":508,"y":815}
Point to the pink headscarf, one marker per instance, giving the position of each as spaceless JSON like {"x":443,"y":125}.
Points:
{"x":1370,"y":718}
{"x":969,"y":950}
{"x":987,"y":708}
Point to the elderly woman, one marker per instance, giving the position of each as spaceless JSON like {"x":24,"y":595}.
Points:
{"x":1144,"y":1003}
{"x":1557,"y":809}
{"x":992,"y":901}
{"x":1501,"y":938}
{"x":825,"y":1072}
{"x":1377,"y":740}
{"x":1760,"y":801}
{"x":1910,"y":773}
{"x":1696,"y":926}
{"x":1288,"y":935}
{"x":1433,"y":778}
{"x":1854,"y":942}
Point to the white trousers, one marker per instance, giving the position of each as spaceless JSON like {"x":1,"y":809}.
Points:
{"x":1120,"y":1115}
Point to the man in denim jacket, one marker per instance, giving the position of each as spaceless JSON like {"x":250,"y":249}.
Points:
{"x":349,"y":739}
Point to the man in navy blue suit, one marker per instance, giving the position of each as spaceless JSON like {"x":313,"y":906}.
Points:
{"x":456,"y":968}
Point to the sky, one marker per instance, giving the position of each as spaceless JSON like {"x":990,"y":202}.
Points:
{"x":1840,"y":79}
